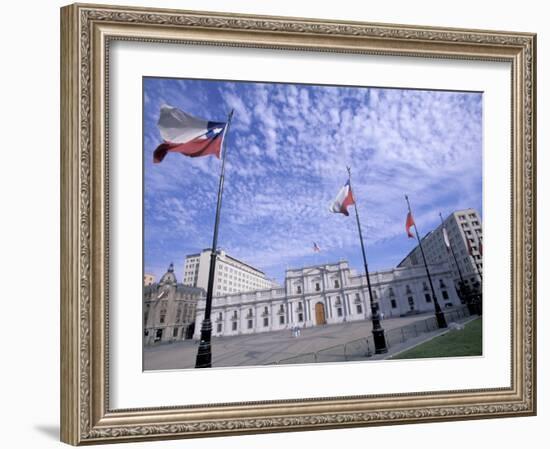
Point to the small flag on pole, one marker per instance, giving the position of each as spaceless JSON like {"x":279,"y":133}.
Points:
{"x":343,"y":200}
{"x":191,"y":136}
{"x":446,"y":238}
{"x":409,"y":224}
{"x":316,"y":248}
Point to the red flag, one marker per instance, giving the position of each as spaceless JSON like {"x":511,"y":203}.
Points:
{"x":409,"y":224}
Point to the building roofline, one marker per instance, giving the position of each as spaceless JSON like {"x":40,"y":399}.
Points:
{"x":320,"y":265}
{"x":236,"y":260}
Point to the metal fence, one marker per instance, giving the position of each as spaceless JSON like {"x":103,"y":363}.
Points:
{"x":364,"y":347}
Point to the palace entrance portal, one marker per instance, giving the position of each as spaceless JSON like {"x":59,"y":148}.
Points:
{"x":320,"y":317}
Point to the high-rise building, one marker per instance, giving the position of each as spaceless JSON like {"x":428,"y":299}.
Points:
{"x":464,"y":230}
{"x":231,"y":276}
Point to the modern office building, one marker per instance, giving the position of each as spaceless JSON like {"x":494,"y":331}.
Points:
{"x":169,"y":310}
{"x":326,"y":294}
{"x":232,"y":275}
{"x":464,"y":229}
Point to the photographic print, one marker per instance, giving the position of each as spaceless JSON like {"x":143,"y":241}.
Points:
{"x":306,"y":201}
{"x":292,"y":223}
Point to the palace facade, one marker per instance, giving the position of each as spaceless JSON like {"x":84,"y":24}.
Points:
{"x":327,"y":294}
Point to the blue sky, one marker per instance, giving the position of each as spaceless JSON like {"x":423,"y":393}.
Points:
{"x":289,"y":146}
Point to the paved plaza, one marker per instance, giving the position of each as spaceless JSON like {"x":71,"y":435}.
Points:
{"x":272,"y":347}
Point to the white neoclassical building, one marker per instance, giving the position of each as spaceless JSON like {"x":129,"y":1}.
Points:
{"x":326,"y":294}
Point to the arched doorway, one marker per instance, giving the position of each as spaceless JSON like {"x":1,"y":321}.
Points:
{"x":320,"y":314}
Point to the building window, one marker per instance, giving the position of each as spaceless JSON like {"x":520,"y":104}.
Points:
{"x":359,"y":309}
{"x":408,"y":289}
{"x":411,"y":302}
{"x":445,"y":294}
{"x":219,"y":327}
{"x":374,"y":294}
{"x":300,"y":317}
{"x":424,"y":285}
{"x":234,"y":325}
{"x":266,"y":322}
{"x":339,"y":311}
{"x":317,"y":287}
{"x":175,"y":332}
{"x":428,"y":297}
{"x":441,"y":284}
{"x":299,"y":289}
{"x":357,"y":297}
{"x":250,"y":324}
{"x":336,"y":283}
{"x":393,"y":304}
{"x":281,"y":319}
{"x":391,"y":292}
{"x":162,"y":317}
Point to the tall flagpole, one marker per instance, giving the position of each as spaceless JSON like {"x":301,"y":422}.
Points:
{"x":204,"y":353}
{"x":439,"y":315}
{"x":452,"y":251}
{"x":379,"y":338}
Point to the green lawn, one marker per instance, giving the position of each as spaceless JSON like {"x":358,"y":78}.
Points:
{"x":466,"y":342}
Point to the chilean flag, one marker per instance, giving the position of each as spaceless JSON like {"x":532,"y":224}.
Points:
{"x":191,"y":136}
{"x":343,"y":200}
{"x":409,"y":224}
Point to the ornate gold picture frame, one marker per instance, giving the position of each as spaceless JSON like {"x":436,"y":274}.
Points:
{"x":87,"y":34}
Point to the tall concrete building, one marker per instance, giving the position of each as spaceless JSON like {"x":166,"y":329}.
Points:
{"x":327,"y":294}
{"x":232,"y":275}
{"x":462,"y":226}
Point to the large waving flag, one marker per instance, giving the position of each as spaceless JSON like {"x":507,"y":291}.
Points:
{"x":409,"y":224}
{"x":343,"y":200}
{"x":191,"y":136}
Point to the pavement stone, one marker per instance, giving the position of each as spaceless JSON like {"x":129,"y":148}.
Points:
{"x":272,"y":347}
